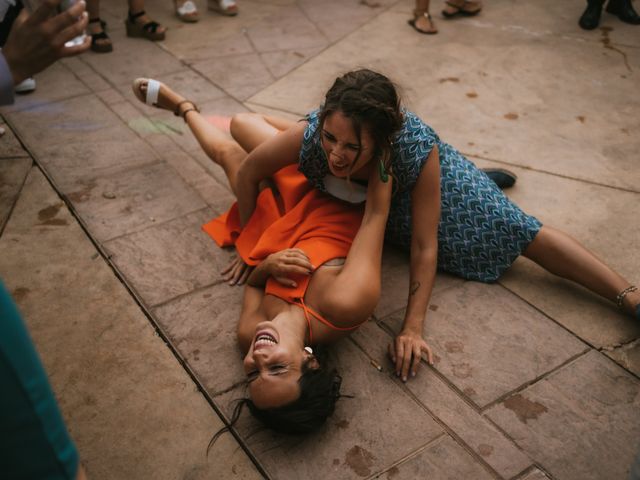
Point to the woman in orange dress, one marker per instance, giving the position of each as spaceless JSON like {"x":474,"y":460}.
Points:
{"x":312,"y":267}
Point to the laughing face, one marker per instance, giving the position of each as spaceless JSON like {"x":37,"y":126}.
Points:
{"x":273,"y":366}
{"x":345,"y":154}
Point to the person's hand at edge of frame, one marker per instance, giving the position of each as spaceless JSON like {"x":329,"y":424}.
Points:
{"x":37,"y":41}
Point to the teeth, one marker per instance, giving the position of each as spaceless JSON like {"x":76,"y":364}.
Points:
{"x":265,"y":339}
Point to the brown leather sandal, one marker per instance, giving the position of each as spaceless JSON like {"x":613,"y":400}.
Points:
{"x":416,"y":16}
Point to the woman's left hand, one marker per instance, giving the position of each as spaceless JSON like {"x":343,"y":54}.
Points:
{"x":237,"y":272}
{"x":406,"y":351}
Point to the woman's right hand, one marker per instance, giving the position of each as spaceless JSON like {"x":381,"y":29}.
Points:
{"x":281,"y":265}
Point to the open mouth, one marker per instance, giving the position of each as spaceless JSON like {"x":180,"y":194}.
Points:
{"x":339,"y":168}
{"x":264,"y":339}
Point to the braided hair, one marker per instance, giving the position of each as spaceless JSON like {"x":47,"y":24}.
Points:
{"x":369,"y":100}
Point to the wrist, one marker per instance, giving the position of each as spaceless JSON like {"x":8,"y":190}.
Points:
{"x":413,"y":324}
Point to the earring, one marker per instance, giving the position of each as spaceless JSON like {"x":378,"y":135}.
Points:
{"x":384,"y":176}
{"x":309,"y":350}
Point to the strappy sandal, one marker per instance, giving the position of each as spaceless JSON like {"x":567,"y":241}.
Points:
{"x":148,"y":30}
{"x":151,"y":97}
{"x":100,"y":42}
{"x":464,"y":8}
{"x":187,"y":11}
{"x":413,"y":22}
{"x":224,"y":7}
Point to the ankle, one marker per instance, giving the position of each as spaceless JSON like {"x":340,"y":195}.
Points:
{"x":628,"y":299}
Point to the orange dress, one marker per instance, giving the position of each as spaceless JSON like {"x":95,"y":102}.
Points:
{"x":299,"y":217}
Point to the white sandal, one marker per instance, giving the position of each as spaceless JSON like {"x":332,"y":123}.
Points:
{"x":187,"y":12}
{"x":151,"y":97}
{"x":224,"y":7}
{"x":153,"y":89}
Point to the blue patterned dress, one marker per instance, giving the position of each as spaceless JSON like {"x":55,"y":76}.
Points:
{"x":481,"y":232}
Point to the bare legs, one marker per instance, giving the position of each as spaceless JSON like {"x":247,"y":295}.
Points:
{"x":564,"y":256}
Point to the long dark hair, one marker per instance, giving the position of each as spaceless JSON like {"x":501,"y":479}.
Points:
{"x":369,"y":100}
{"x":319,"y":392}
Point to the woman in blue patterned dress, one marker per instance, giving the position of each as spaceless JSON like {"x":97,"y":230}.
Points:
{"x":445,"y":211}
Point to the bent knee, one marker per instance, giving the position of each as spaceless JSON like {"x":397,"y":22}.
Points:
{"x":241,"y":121}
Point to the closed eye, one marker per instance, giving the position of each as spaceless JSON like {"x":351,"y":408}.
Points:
{"x":279,"y":369}
{"x":328,"y":136}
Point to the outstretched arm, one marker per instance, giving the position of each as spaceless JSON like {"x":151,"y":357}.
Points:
{"x":407,"y":349}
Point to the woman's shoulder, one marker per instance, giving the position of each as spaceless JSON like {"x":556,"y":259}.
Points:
{"x":414,"y":128}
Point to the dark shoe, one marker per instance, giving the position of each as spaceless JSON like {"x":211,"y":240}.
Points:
{"x":590,"y":19}
{"x":100,"y":41}
{"x":501,"y":177}
{"x":149,"y":30}
{"x":624,"y":11}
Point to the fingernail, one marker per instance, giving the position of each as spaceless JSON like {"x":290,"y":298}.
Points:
{"x":413,"y":374}
{"x":404,"y":379}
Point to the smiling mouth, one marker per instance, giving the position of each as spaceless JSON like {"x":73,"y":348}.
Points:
{"x":264,"y":339}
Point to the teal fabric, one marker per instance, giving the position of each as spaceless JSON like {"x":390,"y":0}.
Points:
{"x":34,"y":443}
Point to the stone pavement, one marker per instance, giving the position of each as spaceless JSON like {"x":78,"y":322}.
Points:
{"x":102,"y":199}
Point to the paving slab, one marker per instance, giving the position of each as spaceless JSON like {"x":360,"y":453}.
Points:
{"x":365,"y":435}
{"x":450,"y":406}
{"x":13,"y":172}
{"x":597,"y":217}
{"x":132,"y":58}
{"x":442,"y":460}
{"x":486,"y":351}
{"x":581,"y":422}
{"x":168,"y":260}
{"x":10,"y":146}
{"x":55,"y":83}
{"x":395,"y":281}
{"x":241,"y":76}
{"x":286,"y":29}
{"x":351,"y":17}
{"x":202,"y":326}
{"x":79,"y":139}
{"x":628,"y":356}
{"x":129,"y":405}
{"x":129,"y":201}
{"x":499,"y":92}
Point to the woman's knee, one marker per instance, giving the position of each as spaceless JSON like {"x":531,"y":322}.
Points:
{"x":241,"y":123}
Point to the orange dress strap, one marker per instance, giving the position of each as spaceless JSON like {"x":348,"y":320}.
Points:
{"x":308,"y":310}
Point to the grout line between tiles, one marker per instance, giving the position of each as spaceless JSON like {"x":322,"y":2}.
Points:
{"x":441,"y":423}
{"x":434,"y":441}
{"x":535,"y":380}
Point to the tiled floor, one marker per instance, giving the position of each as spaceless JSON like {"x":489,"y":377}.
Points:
{"x":534,"y":378}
